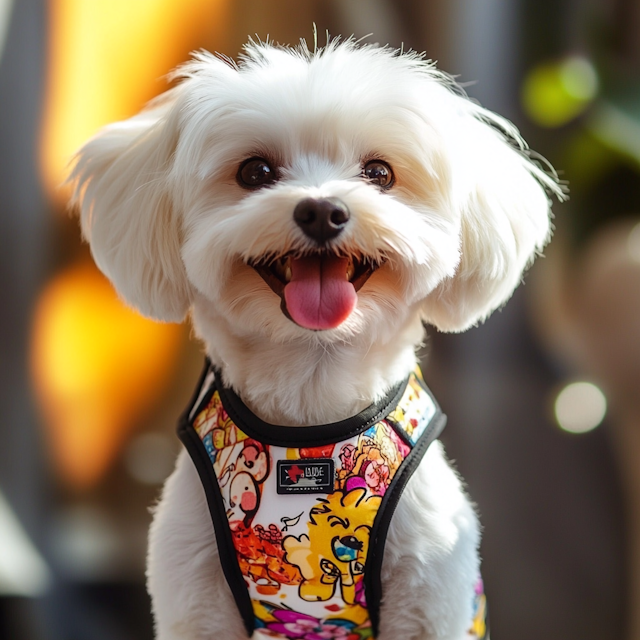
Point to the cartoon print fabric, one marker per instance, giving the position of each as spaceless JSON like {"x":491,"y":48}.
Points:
{"x":301,"y":518}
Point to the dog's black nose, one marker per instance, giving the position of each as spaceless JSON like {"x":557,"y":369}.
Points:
{"x":321,"y":218}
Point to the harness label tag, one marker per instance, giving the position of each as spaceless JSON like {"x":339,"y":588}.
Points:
{"x":305,"y":476}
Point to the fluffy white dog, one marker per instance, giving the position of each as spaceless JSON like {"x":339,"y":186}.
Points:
{"x":311,"y":211}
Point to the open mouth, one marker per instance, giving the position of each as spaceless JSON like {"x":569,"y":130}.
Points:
{"x":318,"y":290}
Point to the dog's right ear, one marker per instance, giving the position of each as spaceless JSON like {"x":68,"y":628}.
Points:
{"x":126,"y":210}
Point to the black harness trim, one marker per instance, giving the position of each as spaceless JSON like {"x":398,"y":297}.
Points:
{"x":312,"y":436}
{"x":378,"y":538}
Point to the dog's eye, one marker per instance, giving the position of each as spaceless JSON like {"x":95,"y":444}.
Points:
{"x":379,"y":172}
{"x":254,"y":173}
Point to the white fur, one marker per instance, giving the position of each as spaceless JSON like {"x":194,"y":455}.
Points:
{"x":171,"y":227}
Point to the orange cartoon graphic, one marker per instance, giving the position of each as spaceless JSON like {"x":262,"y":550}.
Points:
{"x":261,"y":558}
{"x":334,"y":552}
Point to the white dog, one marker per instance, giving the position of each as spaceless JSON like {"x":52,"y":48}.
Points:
{"x":311,"y":210}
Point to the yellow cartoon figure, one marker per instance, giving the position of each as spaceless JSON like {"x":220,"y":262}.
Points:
{"x":335,"y":550}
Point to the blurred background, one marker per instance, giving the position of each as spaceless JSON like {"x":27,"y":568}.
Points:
{"x":543,"y":400}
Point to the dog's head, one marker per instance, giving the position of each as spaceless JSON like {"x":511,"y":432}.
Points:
{"x":325,"y":194}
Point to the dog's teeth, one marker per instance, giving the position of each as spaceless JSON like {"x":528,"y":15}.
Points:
{"x":287,"y":272}
{"x":350,"y":270}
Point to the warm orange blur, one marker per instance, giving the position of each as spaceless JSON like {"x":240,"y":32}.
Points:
{"x":98,"y":367}
{"x":107,"y":58}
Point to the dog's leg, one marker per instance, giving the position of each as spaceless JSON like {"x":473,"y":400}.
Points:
{"x":431,"y":561}
{"x":191,"y":599}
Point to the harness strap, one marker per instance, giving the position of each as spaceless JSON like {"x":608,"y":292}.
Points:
{"x":345,"y":478}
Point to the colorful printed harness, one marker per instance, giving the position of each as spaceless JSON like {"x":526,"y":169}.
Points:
{"x":301,"y":513}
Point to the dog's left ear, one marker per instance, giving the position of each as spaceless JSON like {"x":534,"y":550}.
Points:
{"x":504,"y":211}
{"x":126,"y":212}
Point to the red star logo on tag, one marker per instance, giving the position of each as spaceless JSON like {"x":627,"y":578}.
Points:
{"x":295,"y":473}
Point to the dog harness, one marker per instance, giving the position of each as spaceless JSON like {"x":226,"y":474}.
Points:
{"x":301,"y":514}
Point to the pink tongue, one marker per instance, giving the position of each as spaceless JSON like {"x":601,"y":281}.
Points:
{"x":319,"y":295}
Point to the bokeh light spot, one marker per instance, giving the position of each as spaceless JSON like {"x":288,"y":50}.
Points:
{"x":579,"y":78}
{"x":580,"y":407}
{"x":554,"y":93}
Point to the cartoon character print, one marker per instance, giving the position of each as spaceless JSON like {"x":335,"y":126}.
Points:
{"x":334,"y":552}
{"x":415,"y":409}
{"x":215,"y":428}
{"x":241,"y":464}
{"x":261,"y":558}
{"x":280,"y":621}
{"x":241,"y":470}
{"x":371,"y":463}
{"x":478,"y":629}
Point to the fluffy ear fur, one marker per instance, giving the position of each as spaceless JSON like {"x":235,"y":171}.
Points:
{"x":504,"y":212}
{"x":126,"y":211}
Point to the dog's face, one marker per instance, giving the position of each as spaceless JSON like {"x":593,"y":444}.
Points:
{"x":316,"y":201}
{"x":320,"y":196}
